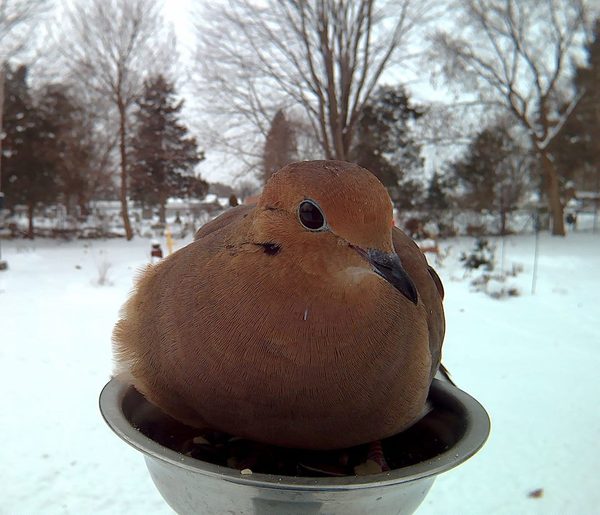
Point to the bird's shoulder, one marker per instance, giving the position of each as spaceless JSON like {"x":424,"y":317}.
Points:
{"x":227,"y":221}
{"x":414,"y":260}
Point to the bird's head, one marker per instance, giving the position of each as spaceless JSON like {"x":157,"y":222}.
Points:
{"x":335,"y":216}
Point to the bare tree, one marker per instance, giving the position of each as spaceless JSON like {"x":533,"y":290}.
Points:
{"x":113,"y":45}
{"x":324,"y":55}
{"x":453,"y":125}
{"x":17,"y":19}
{"x":517,"y":54}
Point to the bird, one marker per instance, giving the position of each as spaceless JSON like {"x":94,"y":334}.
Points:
{"x":307,"y":320}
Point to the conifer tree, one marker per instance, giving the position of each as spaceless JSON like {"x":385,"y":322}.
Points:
{"x":29,"y":168}
{"x":385,"y":146}
{"x":477,"y":171}
{"x":576,"y":148}
{"x":436,"y":198}
{"x":493,"y":173}
{"x":163,"y":155}
{"x":280,"y":145}
{"x":73,"y":149}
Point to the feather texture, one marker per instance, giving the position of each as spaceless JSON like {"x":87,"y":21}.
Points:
{"x":266,"y":330}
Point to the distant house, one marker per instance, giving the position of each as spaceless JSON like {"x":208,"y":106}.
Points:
{"x":587,"y":200}
{"x":211,"y":204}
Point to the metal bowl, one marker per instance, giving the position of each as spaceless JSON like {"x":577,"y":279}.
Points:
{"x":454,"y":430}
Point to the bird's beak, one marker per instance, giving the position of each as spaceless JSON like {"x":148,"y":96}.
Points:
{"x":390,"y":268}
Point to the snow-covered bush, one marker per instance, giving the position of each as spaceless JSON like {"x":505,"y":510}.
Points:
{"x":495,"y":285}
{"x":482,"y":256}
{"x":480,"y":262}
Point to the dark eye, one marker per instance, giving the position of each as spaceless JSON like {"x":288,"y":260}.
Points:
{"x":311,"y":216}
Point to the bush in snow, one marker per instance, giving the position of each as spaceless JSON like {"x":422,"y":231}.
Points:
{"x":482,"y":256}
{"x":481,"y":261}
{"x":495,"y":285}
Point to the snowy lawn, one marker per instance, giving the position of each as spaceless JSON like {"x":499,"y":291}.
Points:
{"x":531,"y":360}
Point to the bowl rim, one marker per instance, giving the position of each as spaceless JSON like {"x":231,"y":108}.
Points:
{"x":476,"y":433}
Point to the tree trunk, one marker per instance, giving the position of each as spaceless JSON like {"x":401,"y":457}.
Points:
{"x":30,"y":233}
{"x":123,"y":150}
{"x":553,"y":193}
{"x":162,"y":213}
{"x":68,"y":204}
{"x":83,"y":207}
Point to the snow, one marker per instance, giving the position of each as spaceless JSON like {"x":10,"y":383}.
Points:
{"x":531,"y":360}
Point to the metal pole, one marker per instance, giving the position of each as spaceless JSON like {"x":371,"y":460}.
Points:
{"x":536,"y":226}
{"x":502,"y":253}
{"x":3,"y":264}
{"x":595,"y":226}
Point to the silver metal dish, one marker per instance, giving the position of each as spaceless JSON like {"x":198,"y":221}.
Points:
{"x":457,"y":426}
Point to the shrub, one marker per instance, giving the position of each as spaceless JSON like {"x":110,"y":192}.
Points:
{"x":482,"y":256}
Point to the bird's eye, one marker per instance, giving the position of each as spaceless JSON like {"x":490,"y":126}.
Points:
{"x":311,"y":216}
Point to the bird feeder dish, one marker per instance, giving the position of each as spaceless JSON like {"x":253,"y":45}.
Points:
{"x":457,"y":422}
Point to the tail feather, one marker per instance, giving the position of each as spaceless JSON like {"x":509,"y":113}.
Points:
{"x":444,"y":375}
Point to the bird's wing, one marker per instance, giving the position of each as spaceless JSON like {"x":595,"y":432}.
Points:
{"x":430,"y":291}
{"x":444,"y":374}
{"x":228,"y":217}
{"x":159,"y":311}
{"x":437,"y":281}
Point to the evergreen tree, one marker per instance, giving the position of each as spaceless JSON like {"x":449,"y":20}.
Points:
{"x":437,"y":198}
{"x":384,"y":145}
{"x":16,"y":118}
{"x":478,"y":169}
{"x":163,"y":156}
{"x":576,"y":148}
{"x":493,"y":173}
{"x":73,"y":148}
{"x":280,"y":145}
{"x":29,"y":157}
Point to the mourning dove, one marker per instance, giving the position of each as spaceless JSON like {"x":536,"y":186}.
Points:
{"x":305,"y":321}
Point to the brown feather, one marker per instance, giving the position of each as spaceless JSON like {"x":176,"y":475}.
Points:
{"x":303,"y":347}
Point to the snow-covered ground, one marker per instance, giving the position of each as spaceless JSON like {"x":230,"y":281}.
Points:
{"x":531,"y":360}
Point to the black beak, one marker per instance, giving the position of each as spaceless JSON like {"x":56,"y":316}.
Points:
{"x":390,"y":268}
